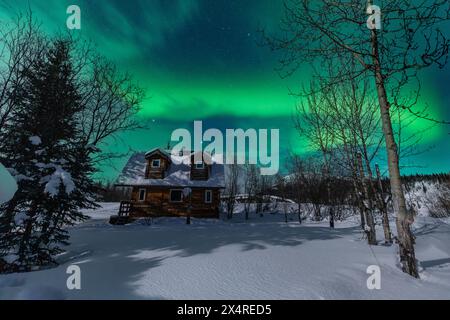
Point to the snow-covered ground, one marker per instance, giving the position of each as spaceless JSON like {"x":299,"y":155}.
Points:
{"x":264,"y":258}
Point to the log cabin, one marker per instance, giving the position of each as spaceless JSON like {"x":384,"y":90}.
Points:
{"x":162,"y":184}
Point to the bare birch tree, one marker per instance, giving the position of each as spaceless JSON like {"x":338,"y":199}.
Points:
{"x":264,"y":187}
{"x":409,"y":41}
{"x":313,"y":123}
{"x":355,"y":122}
{"x":231,"y":189}
{"x":250,"y":188}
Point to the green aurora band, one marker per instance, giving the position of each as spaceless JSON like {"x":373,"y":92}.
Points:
{"x":200,"y":60}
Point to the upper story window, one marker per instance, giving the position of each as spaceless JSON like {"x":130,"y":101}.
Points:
{"x":199,"y":165}
{"x":156,"y":163}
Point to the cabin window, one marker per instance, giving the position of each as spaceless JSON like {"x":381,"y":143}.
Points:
{"x":176,"y":195}
{"x":156,"y":163}
{"x":199,"y":165}
{"x":208,"y":196}
{"x":142,"y":194}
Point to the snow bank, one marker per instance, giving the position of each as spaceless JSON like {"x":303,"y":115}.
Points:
{"x":426,"y":198}
{"x":8,"y":185}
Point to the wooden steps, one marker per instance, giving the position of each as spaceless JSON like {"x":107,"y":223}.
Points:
{"x":124,"y":214}
{"x":120,"y":220}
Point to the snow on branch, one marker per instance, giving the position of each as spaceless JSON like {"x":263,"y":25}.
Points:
{"x":53,"y":182}
{"x":35,"y":140}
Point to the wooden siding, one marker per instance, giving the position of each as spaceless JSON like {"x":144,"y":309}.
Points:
{"x":157,"y":203}
{"x":156,"y":173}
{"x":199,"y":174}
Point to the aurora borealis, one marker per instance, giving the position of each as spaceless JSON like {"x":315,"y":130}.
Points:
{"x":200,"y":60}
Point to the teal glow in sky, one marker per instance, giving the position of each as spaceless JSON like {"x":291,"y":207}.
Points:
{"x":199,"y":60}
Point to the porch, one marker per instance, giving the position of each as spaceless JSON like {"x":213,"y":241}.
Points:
{"x":131,"y":210}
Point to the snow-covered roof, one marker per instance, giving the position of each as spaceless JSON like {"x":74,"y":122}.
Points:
{"x":163,"y":152}
{"x":178,"y":175}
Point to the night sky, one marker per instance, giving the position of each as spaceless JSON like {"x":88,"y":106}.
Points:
{"x":200,"y":60}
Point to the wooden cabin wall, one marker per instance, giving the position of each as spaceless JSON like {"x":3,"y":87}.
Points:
{"x":156,"y":173}
{"x":158,"y":203}
{"x":199,"y":174}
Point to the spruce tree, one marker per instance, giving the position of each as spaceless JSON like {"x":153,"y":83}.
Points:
{"x":51,"y":165}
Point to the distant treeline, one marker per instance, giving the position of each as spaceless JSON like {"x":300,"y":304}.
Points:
{"x":435,"y":177}
{"x":342,"y":188}
{"x":107,"y":192}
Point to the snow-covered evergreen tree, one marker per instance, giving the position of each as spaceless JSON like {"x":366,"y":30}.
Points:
{"x":45,"y":154}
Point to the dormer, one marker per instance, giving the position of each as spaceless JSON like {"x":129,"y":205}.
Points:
{"x":200,"y":169}
{"x":158,"y":163}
